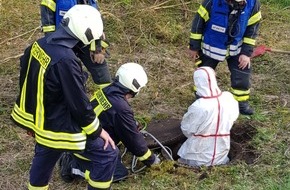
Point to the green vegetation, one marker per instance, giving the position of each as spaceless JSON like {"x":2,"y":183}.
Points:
{"x":155,"y":34}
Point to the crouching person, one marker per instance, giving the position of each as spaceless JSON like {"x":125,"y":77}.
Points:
{"x":117,"y":118}
{"x":53,"y":105}
{"x":207,"y":123}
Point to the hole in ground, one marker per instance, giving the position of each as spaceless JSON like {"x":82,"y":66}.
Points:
{"x":169,"y":134}
{"x":241,"y":150}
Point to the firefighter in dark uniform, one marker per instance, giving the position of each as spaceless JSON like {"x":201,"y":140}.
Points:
{"x":53,"y":105}
{"x":226,"y":29}
{"x":93,"y":56}
{"x":117,"y":118}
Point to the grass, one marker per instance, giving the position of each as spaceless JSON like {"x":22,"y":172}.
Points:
{"x":155,"y":34}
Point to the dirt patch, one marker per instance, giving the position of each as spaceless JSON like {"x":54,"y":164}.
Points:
{"x":241,"y":150}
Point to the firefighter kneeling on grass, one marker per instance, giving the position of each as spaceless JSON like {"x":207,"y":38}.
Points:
{"x":53,"y":104}
{"x":117,"y":118}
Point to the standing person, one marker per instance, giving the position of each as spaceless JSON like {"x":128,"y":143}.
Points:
{"x":93,"y":56}
{"x":208,"y":122}
{"x":117,"y":118}
{"x":226,"y":29}
{"x":53,"y":105}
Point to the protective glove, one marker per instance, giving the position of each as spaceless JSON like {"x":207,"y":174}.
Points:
{"x":156,"y":160}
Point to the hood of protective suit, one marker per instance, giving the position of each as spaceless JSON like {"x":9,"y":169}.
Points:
{"x":206,"y":83}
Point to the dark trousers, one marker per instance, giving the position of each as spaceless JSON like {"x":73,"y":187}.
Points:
{"x":103,"y":163}
{"x":99,"y":71}
{"x":120,"y":172}
{"x":240,"y":79}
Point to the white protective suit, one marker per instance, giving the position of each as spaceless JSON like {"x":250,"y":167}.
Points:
{"x":208,"y":122}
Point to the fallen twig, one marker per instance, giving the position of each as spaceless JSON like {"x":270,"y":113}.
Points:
{"x":9,"y":39}
{"x":12,"y":57}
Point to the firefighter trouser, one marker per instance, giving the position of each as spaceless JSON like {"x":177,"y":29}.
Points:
{"x":83,"y":164}
{"x":99,"y":177}
{"x":99,"y":71}
{"x":240,"y":79}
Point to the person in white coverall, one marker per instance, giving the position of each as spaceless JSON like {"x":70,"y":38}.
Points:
{"x":208,"y":122}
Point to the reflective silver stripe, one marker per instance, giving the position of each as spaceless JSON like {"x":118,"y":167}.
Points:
{"x":76,"y":171}
{"x":235,"y":49}
{"x":60,"y":144}
{"x":23,"y":114}
{"x":18,"y":116}
{"x":213,"y":55}
{"x":233,"y":53}
{"x":214,"y":52}
{"x":214,"y":49}
{"x":92,"y":127}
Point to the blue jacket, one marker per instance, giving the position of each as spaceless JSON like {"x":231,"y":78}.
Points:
{"x":216,"y":35}
{"x":52,"y":11}
{"x":215,"y":28}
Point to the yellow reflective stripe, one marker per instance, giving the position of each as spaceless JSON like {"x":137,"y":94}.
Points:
{"x":195,"y":36}
{"x":23,"y":90}
{"x":62,"y":136}
{"x":30,"y":187}
{"x":145,"y":156}
{"x":240,"y":92}
{"x":194,"y":88}
{"x":73,"y":144}
{"x":92,"y":127}
{"x":49,"y":134}
{"x":255,"y":18}
{"x":49,"y":3}
{"x":103,"y":102}
{"x":104,"y":44}
{"x":95,"y":184}
{"x":249,"y":41}
{"x":23,"y":114}
{"x":241,"y":98}
{"x":50,"y":28}
{"x":43,"y":59}
{"x":101,"y":86}
{"x":22,"y":121}
{"x":18,"y":115}
{"x":98,"y":110}
{"x":81,"y":145}
{"x":40,"y":55}
{"x":240,"y":95}
{"x":81,"y":157}
{"x":93,"y":46}
{"x":203,"y":13}
{"x":39,"y":115}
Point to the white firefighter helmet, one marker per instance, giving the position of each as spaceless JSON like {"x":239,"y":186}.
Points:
{"x":132,"y":76}
{"x":85,"y":22}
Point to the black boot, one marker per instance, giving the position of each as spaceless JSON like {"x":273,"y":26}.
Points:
{"x":65,"y":164}
{"x":245,"y":108}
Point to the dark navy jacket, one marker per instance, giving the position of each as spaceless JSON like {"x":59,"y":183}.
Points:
{"x":120,"y":123}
